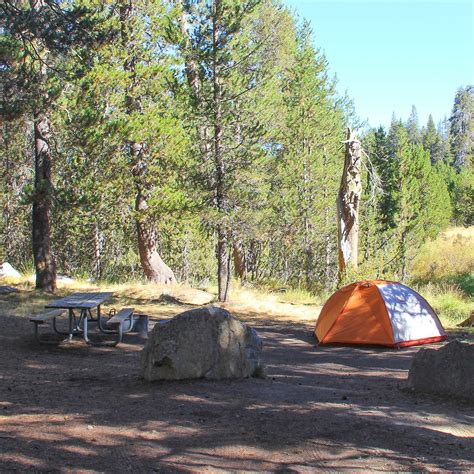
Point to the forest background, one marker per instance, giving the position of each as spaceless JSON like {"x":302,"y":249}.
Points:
{"x":191,"y":141}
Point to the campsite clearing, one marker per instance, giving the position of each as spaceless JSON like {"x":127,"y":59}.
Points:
{"x":76,"y":407}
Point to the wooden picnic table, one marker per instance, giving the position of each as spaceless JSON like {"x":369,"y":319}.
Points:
{"x":84,"y":303}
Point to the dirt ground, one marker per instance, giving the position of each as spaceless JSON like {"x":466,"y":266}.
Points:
{"x":77,"y":408}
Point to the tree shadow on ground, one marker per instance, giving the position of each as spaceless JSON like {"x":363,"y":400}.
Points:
{"x":80,"y":407}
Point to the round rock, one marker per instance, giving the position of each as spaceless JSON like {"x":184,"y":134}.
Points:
{"x":202,"y":343}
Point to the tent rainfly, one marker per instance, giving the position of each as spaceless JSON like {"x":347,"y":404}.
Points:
{"x":378,"y":312}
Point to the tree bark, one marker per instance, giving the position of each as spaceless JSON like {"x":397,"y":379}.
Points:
{"x":43,"y":257}
{"x":348,"y":201}
{"x":223,"y":264}
{"x":403,"y":255}
{"x":41,"y":214}
{"x":154,"y":267}
{"x":240,"y":264}
{"x":98,"y":243}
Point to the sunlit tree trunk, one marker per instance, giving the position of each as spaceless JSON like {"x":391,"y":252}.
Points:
{"x":41,"y":215}
{"x":348,"y":201}
{"x":154,"y":267}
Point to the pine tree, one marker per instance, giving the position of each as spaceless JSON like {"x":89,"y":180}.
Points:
{"x":376,"y":204}
{"x":413,"y":127}
{"x":463,"y":197}
{"x":309,"y":164}
{"x":432,"y":142}
{"x":423,"y":201}
{"x":37,"y":38}
{"x":15,"y":175}
{"x":138,"y":144}
{"x":223,"y":76}
{"x":462,"y":128}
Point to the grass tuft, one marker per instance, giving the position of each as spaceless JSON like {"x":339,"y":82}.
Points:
{"x":449,"y":302}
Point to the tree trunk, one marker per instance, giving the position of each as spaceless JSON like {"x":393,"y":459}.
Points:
{"x":43,"y":258}
{"x":223,"y":262}
{"x":240,"y":266}
{"x":348,"y":201}
{"x":210,"y":136}
{"x":153,"y":266}
{"x":98,"y":242}
{"x":328,"y":266}
{"x":403,"y":255}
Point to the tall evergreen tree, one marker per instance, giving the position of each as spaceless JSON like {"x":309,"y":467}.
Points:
{"x":222,"y":73}
{"x":432,"y":142}
{"x":309,"y":164}
{"x":15,"y":175}
{"x":423,"y":200}
{"x":413,"y":127}
{"x":130,"y":101}
{"x":462,"y":128}
{"x":36,"y":37}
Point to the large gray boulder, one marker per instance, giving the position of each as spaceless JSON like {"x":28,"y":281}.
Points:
{"x":202,"y":343}
{"x":445,"y":371}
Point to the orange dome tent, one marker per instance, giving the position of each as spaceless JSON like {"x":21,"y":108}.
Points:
{"x":378,"y":312}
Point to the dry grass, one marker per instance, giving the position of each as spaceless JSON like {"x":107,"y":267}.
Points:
{"x":265,"y":305}
{"x":161,"y":301}
{"x":450,"y":255}
{"x":443,"y":273}
{"x":462,"y":231}
{"x":449,"y":302}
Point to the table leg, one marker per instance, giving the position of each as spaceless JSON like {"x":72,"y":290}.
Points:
{"x":86,"y":338}
{"x":71,"y":330}
{"x":103,"y":329}
{"x":57,"y":331}
{"x":89,"y":313}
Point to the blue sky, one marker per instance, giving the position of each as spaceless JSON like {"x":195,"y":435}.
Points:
{"x":392,"y":54}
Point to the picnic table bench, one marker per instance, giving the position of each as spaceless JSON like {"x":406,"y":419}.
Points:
{"x":45,"y":317}
{"x":119,"y":320}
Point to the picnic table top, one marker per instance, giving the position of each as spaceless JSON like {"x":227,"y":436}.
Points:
{"x":81,"y":300}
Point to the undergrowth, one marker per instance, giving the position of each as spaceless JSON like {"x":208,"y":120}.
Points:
{"x":443,"y":273}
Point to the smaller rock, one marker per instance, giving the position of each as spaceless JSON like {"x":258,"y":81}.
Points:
{"x":6,"y":270}
{"x":8,"y":289}
{"x":445,"y":371}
